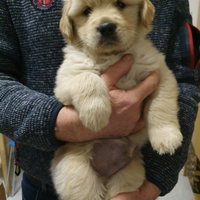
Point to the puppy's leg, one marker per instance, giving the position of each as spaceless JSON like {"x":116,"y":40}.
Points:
{"x":132,"y":176}
{"x":89,"y":95}
{"x":161,"y":111}
{"x":73,"y":176}
{"x":128,"y":179}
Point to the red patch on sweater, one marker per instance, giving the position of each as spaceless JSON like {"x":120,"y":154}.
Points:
{"x":43,"y":4}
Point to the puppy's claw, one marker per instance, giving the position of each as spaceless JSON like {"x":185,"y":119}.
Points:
{"x":167,"y":143}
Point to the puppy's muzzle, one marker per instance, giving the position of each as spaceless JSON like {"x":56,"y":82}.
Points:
{"x":108,"y":35}
{"x":107,"y":29}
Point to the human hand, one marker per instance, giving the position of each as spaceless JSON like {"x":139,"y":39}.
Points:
{"x":148,"y":191}
{"x":127,"y":107}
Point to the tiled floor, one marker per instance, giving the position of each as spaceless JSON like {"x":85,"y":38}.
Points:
{"x":182,"y":190}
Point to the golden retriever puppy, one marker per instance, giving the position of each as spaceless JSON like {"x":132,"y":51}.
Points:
{"x":99,"y":33}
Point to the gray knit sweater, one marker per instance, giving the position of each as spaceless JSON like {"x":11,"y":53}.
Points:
{"x":30,"y":54}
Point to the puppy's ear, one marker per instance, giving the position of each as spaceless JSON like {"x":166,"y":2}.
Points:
{"x":66,"y":25}
{"x":147,"y":13}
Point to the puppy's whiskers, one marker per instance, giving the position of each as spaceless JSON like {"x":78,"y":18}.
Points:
{"x":126,"y":40}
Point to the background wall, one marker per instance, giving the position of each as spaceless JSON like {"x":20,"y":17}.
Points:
{"x":194,"y":9}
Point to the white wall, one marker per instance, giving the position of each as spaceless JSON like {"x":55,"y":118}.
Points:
{"x":194,"y":9}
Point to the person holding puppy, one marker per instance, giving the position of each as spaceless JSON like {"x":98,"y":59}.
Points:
{"x":30,"y":54}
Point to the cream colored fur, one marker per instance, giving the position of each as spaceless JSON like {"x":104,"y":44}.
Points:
{"x":78,"y":83}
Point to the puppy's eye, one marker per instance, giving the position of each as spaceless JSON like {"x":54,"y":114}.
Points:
{"x":87,"y":11}
{"x":120,"y":5}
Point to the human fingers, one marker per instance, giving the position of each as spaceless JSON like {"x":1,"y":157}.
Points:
{"x":139,"y":125}
{"x":146,"y":87}
{"x":117,"y":70}
{"x":127,"y":196}
{"x":148,"y":191}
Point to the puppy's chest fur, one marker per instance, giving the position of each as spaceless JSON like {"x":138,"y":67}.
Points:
{"x":144,"y":61}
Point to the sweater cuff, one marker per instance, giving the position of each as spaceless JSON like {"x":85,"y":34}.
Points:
{"x":55,"y":142}
{"x":163,"y":189}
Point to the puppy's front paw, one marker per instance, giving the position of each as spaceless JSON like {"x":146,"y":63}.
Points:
{"x":95,"y":113}
{"x":166,"y":140}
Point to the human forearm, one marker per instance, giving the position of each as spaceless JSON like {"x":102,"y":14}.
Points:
{"x":69,"y":128}
{"x":25,"y":114}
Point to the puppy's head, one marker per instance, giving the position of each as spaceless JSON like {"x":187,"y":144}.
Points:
{"x":105,"y":26}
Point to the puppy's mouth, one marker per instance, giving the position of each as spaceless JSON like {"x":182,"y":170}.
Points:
{"x":108,"y":41}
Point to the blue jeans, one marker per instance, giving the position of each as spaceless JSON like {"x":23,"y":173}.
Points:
{"x":31,"y":192}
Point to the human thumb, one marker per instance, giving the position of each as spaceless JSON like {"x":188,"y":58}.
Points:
{"x":117,"y":70}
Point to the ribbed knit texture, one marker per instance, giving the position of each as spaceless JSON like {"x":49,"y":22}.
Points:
{"x":30,"y":54}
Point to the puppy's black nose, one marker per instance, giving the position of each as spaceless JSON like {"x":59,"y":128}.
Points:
{"x":107,"y":29}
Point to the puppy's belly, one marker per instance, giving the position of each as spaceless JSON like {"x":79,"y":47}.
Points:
{"x":111,"y":155}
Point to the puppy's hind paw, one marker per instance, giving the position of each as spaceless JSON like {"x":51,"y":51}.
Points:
{"x":166,"y":142}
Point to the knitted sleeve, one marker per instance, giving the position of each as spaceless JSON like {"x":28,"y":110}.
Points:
{"x":163,"y":170}
{"x":25,"y":115}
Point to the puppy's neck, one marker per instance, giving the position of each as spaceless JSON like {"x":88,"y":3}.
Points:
{"x":100,"y":56}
